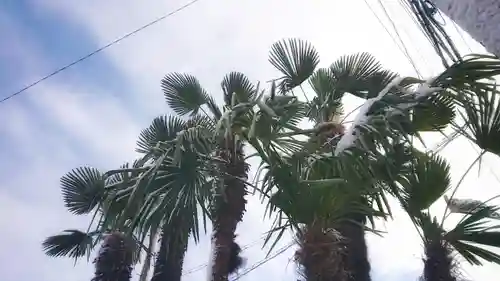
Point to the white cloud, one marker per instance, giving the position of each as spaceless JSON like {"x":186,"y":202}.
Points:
{"x":65,"y":118}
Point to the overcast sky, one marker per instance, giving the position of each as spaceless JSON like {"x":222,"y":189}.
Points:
{"x":92,"y":113}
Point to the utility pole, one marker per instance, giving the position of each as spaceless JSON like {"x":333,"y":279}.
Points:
{"x":479,"y":18}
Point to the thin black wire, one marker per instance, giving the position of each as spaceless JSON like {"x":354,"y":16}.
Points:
{"x":99,"y":50}
{"x":202,"y":266}
{"x":263,"y":261}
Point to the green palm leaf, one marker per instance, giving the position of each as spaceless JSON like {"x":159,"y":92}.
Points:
{"x":169,"y":190}
{"x":434,"y":114}
{"x":295,"y":59}
{"x":184,"y":93}
{"x":426,"y":180}
{"x":483,"y":119}
{"x":475,"y":229}
{"x":163,"y":129}
{"x":238,"y":83}
{"x":82,"y":190}
{"x":360,"y":74}
{"x":469,"y":73}
{"x":71,"y":243}
{"x":328,"y":100}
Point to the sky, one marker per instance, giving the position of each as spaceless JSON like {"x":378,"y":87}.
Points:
{"x":92,"y":113}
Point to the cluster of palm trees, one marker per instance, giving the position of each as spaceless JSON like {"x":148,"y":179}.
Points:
{"x":327,"y":181}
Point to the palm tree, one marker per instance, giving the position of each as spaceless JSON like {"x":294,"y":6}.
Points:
{"x":316,"y":208}
{"x":425,"y":179}
{"x":395,"y":112}
{"x":194,"y":167}
{"x":185,"y":95}
{"x":358,"y":74}
{"x":114,"y":260}
{"x":175,"y":227}
{"x":85,"y":191}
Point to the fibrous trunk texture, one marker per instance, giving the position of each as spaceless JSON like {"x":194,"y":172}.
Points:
{"x":479,"y":18}
{"x":114,"y":261}
{"x":170,"y":258}
{"x":438,"y":263}
{"x":356,"y":261}
{"x":320,"y":254}
{"x":228,"y":210}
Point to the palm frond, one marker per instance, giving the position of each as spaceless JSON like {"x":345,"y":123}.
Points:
{"x":426,"y":180}
{"x":168,"y":190}
{"x":482,"y":114}
{"x":162,"y":129}
{"x":238,"y":83}
{"x":475,"y":229}
{"x":70,"y":243}
{"x":360,"y":74}
{"x":82,"y":189}
{"x":289,"y":111}
{"x":183,"y":93}
{"x":328,"y":100}
{"x":295,"y":59}
{"x":472,"y":73}
{"x":433,"y":114}
{"x":468,"y":206}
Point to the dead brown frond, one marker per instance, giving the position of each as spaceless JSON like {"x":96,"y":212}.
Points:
{"x":325,"y":134}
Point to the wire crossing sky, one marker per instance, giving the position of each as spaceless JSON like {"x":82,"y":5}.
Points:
{"x":93,"y":114}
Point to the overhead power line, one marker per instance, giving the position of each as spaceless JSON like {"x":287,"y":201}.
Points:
{"x":263,"y":261}
{"x":98,"y":50}
{"x":249,"y":245}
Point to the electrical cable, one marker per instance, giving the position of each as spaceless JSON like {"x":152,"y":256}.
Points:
{"x":202,"y":266}
{"x":98,"y":50}
{"x":262,"y":262}
{"x":400,"y":39}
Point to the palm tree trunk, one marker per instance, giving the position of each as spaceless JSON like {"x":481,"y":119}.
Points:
{"x":480,"y":18}
{"x":229,"y":208}
{"x":114,"y":261}
{"x":320,"y":254}
{"x":170,"y":258}
{"x":438,"y":263}
{"x":356,"y":256}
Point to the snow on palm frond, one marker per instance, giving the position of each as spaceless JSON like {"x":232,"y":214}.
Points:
{"x":349,"y":138}
{"x":468,"y":206}
{"x":423,"y":91}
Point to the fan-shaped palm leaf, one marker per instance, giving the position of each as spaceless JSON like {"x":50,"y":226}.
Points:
{"x":475,"y":229}
{"x":82,"y":189}
{"x":238,"y":83}
{"x":328,"y":100}
{"x":184,"y":93}
{"x":426,"y":180}
{"x":296,"y":59}
{"x":360,"y":74}
{"x":469,"y":74}
{"x":71,"y":243}
{"x":179,"y":186}
{"x":434,"y":113}
{"x":483,"y":119}
{"x":163,"y":128}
